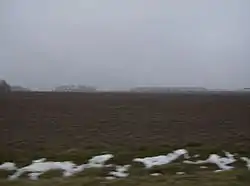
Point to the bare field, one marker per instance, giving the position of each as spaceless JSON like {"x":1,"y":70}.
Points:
{"x":34,"y":124}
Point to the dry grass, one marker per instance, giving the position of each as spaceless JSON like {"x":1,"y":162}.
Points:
{"x":231,"y":178}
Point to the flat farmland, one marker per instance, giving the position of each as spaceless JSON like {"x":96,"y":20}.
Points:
{"x":76,"y":125}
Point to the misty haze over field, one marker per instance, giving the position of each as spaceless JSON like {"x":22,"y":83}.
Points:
{"x":115,"y":44}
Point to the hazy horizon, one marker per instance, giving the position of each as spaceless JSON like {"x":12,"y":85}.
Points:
{"x":124,"y":44}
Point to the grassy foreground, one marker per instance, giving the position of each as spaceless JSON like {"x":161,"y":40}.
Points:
{"x":230,"y":178}
{"x":139,"y":176}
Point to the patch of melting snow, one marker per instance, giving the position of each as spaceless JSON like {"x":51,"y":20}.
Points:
{"x":110,"y":178}
{"x":34,"y":175}
{"x":120,"y":171}
{"x":99,"y":161}
{"x":247,"y":160}
{"x":38,"y":167}
{"x":196,"y":156}
{"x":68,"y":168}
{"x":217,"y":171}
{"x":8,"y":166}
{"x":203,"y":167}
{"x":156,"y":174}
{"x":180,"y":173}
{"x":150,"y":162}
{"x":39,"y":160}
{"x":222,"y":162}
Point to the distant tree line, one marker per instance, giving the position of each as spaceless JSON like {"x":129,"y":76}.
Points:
{"x":75,"y":88}
{"x":168,"y":89}
{"x":17,"y":88}
{"x":4,"y":87}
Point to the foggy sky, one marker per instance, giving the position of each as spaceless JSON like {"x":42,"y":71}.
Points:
{"x":117,"y":44}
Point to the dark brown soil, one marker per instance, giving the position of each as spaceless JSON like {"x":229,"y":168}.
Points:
{"x":35,"y":121}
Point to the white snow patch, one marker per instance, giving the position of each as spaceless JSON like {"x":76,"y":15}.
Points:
{"x":121,"y":171}
{"x":119,"y":174}
{"x":247,"y":160}
{"x":39,"y":160}
{"x":156,"y":174}
{"x":110,"y":178}
{"x":109,"y":165}
{"x":68,"y":168}
{"x":217,"y":171}
{"x":34,"y":175}
{"x":38,"y":167}
{"x":196,"y":156}
{"x":203,"y":167}
{"x":8,"y":166}
{"x":150,"y":162}
{"x":180,"y":173}
{"x":222,"y":162}
{"x":99,"y":161}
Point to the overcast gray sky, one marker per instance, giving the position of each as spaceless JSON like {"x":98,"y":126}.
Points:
{"x":116,"y":44}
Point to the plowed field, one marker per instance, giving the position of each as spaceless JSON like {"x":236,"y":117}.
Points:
{"x":33,"y":123}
